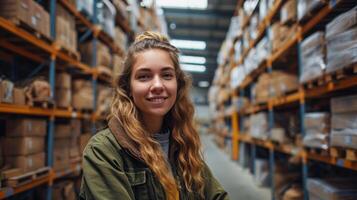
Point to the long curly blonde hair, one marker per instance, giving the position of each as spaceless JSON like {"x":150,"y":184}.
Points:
{"x":180,"y":120}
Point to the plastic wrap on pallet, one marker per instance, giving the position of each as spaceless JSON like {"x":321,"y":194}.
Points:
{"x":318,"y":122}
{"x":316,"y":140}
{"x":238,"y":50}
{"x":263,"y":9}
{"x":253,"y":26}
{"x":344,"y":120}
{"x":235,"y":28}
{"x":237,"y":76}
{"x":346,"y":138}
{"x":106,"y":17}
{"x":344,"y":104}
{"x":332,"y":189}
{"x":259,"y":125}
{"x":314,"y":40}
{"x":342,"y":59}
{"x":261,"y":176}
{"x":85,"y":6}
{"x":288,"y":12}
{"x":342,"y":23}
{"x":305,"y":7}
{"x":342,"y":40}
{"x":278,"y":135}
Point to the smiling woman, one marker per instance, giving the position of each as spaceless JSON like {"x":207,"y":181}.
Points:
{"x":151,"y":149}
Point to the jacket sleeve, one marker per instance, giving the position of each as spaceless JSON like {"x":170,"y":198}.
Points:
{"x":213,"y":189}
{"x":102,"y":177}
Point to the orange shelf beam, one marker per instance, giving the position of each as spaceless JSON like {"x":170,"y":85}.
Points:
{"x":25,"y":110}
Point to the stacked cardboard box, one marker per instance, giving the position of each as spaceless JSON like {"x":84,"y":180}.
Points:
{"x":28,"y":136}
{"x":74,"y":150}
{"x":332,"y":189}
{"x":344,"y":122}
{"x":274,"y":84}
{"x":288,"y":12}
{"x":117,"y":65}
{"x":26,"y":12}
{"x":305,"y":8}
{"x":63,"y":90}
{"x":104,"y":100}
{"x":280,"y":34}
{"x":64,"y":191}
{"x":259,"y":125}
{"x":313,"y":57}
{"x":121,"y":8}
{"x":103,"y":56}
{"x":82,"y":95}
{"x":341,"y":36}
{"x":66,"y":35}
{"x":37,"y":90}
{"x":317,"y":129}
{"x":11,"y":94}
{"x":61,"y":147}
{"x":120,"y":39}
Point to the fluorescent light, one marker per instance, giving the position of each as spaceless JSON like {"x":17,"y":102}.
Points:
{"x":183,"y":4}
{"x":203,"y":84}
{"x":193,"y":59}
{"x":193,"y":68}
{"x":189,"y":44}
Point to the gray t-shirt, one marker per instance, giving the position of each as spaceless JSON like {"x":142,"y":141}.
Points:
{"x":164,"y":140}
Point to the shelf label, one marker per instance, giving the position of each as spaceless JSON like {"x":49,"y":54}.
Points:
{"x":74,"y":115}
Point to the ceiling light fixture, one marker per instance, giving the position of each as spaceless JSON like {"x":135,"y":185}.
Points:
{"x":193,"y":59}
{"x":189,"y":44}
{"x":193,"y":68}
{"x":203,"y":84}
{"x":183,"y":4}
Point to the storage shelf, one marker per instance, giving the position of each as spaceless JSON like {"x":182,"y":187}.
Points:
{"x":96,"y":30}
{"x":9,"y":191}
{"x":300,"y":152}
{"x":36,"y":47}
{"x":35,"y":111}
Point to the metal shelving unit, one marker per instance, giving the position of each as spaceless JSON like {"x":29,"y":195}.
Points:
{"x":47,"y":53}
{"x":299,"y":98}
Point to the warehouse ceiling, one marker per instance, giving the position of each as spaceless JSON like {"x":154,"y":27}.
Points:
{"x":209,"y":25}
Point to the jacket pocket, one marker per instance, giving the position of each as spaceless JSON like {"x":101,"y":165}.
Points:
{"x":139,"y":185}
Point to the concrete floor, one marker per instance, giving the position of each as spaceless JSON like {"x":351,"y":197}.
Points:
{"x":236,"y":181}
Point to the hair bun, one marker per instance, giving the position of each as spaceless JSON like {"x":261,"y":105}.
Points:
{"x":150,"y":35}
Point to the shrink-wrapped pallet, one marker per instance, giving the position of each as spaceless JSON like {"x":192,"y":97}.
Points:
{"x":342,"y":23}
{"x":259,"y":125}
{"x":305,"y":8}
{"x":332,"y":189}
{"x":344,"y":104}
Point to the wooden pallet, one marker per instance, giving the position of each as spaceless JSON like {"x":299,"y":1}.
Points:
{"x":341,"y":73}
{"x":317,"y":151}
{"x":317,"y":82}
{"x":19,"y":23}
{"x":348,"y":154}
{"x":28,"y":177}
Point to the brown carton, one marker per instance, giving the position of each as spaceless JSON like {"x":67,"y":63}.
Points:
{"x":64,"y":191}
{"x":76,"y":127}
{"x":344,"y":104}
{"x":40,"y":19}
{"x":63,"y":131}
{"x":23,"y":145}
{"x":16,"y":10}
{"x":63,"y":97}
{"x":63,"y":80}
{"x":74,"y":152}
{"x":19,"y":96}
{"x":27,"y":163}
{"x":26,"y":127}
{"x":288,"y":12}
{"x":61,"y":159}
{"x":62,"y":143}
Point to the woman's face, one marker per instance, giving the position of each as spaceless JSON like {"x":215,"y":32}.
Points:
{"x":153,"y":83}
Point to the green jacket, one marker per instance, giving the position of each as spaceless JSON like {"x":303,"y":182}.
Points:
{"x":112,"y":169}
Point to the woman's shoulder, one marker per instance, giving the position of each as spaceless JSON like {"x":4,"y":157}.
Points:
{"x":105,"y":140}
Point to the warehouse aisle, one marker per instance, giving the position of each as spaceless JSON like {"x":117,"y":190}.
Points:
{"x":237,"y":181}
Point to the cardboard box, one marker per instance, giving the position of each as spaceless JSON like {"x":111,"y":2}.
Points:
{"x":6,"y":91}
{"x":103,"y":54}
{"x":23,"y":145}
{"x":63,"y":80}
{"x":63,"y":97}
{"x":40,"y":19}
{"x":74,"y":152}
{"x":61,"y":159}
{"x":19,"y":96}
{"x":83,"y":141}
{"x":76,"y":125}
{"x":63,"y":131}
{"x":64,"y":191}
{"x":344,"y":104}
{"x":27,"y":163}
{"x":82,"y":95}
{"x":26,"y":127}
{"x":288,"y":12}
{"x":16,"y":10}
{"x":62,"y":143}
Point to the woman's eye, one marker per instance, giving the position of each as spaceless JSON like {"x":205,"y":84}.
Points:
{"x":168,"y":76}
{"x":143,"y":77}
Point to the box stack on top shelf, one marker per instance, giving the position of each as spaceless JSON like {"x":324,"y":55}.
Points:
{"x":294,"y":62}
{"x":57,"y":64}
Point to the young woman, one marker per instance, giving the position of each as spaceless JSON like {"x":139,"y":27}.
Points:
{"x":150,"y":149}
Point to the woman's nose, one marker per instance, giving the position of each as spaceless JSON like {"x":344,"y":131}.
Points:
{"x":157,"y":84}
